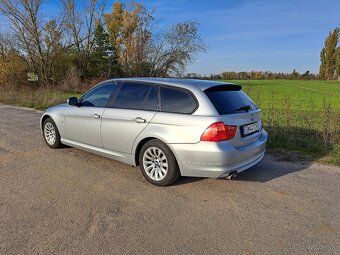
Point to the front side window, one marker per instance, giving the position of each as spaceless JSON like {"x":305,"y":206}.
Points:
{"x":136,"y":96}
{"x":99,"y":96}
{"x":176,"y":101}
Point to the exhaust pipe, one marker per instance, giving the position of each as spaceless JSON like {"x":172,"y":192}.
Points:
{"x":232,"y":175}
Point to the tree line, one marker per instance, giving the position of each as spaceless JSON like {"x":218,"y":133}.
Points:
{"x":85,"y":41}
{"x":255,"y":75}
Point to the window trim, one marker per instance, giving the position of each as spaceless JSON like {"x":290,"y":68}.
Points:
{"x":178,"y":89}
{"x":121,"y":84}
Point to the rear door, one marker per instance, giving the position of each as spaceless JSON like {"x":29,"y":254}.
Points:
{"x":128,"y":114}
{"x":236,"y":108}
{"x":83,"y":122}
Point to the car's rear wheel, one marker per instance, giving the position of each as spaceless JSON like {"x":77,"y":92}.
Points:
{"x":51,"y":134}
{"x":158,"y":163}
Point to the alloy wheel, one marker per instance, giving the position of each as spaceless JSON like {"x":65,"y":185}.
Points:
{"x":155,"y":163}
{"x":50,"y":133}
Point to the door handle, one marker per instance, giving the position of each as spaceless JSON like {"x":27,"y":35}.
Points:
{"x":139,"y":120}
{"x":96,"y":116}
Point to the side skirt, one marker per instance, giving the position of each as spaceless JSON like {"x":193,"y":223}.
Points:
{"x":119,"y":156}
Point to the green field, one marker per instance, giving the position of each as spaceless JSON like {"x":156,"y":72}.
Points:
{"x":309,"y":95}
{"x":302,"y":116}
{"x":297,"y":102}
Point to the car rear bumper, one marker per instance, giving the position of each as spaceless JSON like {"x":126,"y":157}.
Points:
{"x":208,"y":159}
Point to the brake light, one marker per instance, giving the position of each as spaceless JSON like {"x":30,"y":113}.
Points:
{"x":217,"y":132}
{"x":230,"y":131}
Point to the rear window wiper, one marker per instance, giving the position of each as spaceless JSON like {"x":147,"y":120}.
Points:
{"x":242,"y":108}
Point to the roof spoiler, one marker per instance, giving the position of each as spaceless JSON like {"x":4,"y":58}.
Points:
{"x":229,"y":87}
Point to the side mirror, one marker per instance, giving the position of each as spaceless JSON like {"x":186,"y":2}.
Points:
{"x":72,"y":101}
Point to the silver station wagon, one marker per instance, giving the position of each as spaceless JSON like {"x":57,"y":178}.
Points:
{"x":170,"y":127}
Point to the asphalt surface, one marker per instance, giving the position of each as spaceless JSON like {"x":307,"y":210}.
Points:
{"x":67,"y":201}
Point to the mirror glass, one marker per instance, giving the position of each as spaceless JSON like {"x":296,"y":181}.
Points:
{"x":73,"y":101}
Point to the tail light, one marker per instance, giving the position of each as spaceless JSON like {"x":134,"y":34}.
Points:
{"x":217,"y":132}
{"x":230,"y":131}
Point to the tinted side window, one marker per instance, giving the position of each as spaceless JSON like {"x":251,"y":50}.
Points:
{"x":136,"y":96}
{"x":151,"y":101}
{"x":177,"y":101}
{"x":99,"y":96}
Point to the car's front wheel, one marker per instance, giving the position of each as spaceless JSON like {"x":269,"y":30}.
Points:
{"x":51,"y":134}
{"x":158,"y":163}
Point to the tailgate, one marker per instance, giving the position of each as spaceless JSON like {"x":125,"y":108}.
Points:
{"x":248,"y":124}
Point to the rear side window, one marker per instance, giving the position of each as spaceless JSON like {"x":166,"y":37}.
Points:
{"x":234,"y":101}
{"x":151,"y":101}
{"x":176,"y":101}
{"x":137,"y":96}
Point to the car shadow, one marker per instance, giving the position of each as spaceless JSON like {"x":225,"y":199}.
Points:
{"x":280,"y":162}
{"x":186,"y":180}
{"x":271,"y":168}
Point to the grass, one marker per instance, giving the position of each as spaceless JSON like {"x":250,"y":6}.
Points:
{"x":37,"y":99}
{"x":307,"y":95}
{"x":301,"y":116}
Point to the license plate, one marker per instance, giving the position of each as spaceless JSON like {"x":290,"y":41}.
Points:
{"x":250,"y":129}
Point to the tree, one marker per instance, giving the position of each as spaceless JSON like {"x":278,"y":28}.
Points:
{"x":328,"y":64}
{"x":294,"y":75}
{"x":80,"y":23}
{"x":103,"y":57}
{"x":305,"y":76}
{"x":12,"y":65}
{"x":129,"y":29}
{"x":143,"y":52}
{"x":322,"y":70}
{"x":12,"y":69}
{"x":24,"y":18}
{"x":54,"y":51}
{"x":31,"y":35}
{"x":338,"y":62}
{"x":175,"y":49}
{"x":127,"y":41}
{"x":5,"y":44}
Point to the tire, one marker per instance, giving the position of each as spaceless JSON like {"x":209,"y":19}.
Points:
{"x":51,"y":134}
{"x":158,"y":164}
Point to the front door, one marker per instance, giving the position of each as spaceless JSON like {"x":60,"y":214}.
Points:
{"x":83,"y":121}
{"x":83,"y":125}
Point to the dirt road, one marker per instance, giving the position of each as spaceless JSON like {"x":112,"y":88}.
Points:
{"x":67,"y":201}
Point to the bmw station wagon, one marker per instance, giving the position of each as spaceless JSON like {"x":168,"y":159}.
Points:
{"x":169,"y":127}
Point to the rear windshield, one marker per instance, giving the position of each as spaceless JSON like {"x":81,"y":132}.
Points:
{"x":227,"y":102}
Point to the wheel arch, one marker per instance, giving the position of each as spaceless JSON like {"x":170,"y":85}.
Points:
{"x":43,"y":118}
{"x":46,"y":116}
{"x":144,"y":141}
{"x":139,"y":147}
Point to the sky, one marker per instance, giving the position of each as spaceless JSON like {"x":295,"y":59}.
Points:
{"x":245,"y":35}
